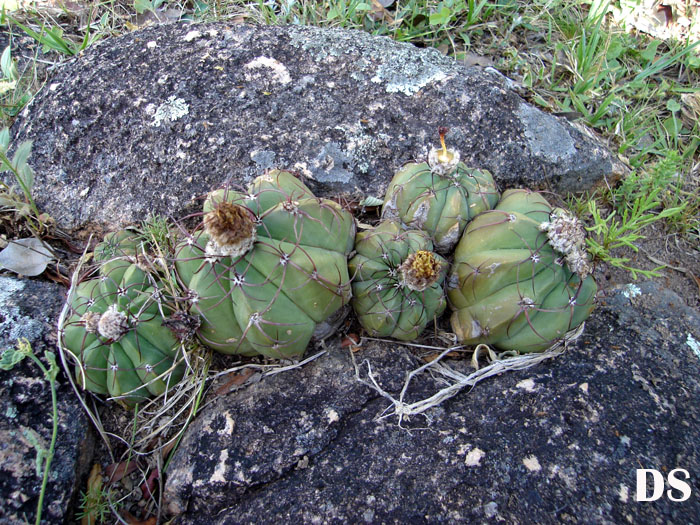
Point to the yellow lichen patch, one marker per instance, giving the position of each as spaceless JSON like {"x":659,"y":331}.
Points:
{"x":420,"y":270}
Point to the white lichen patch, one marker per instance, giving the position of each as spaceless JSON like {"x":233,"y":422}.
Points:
{"x":532,"y":464}
{"x":152,"y":44}
{"x":693,"y":344}
{"x":405,"y":84}
{"x":566,"y":474}
{"x":170,"y":110}
{"x":332,"y":416}
{"x":228,"y":425}
{"x":526,"y":384}
{"x":278,"y":70}
{"x":624,"y":493}
{"x":631,"y":291}
{"x":474,"y":457}
{"x":304,"y":169}
{"x":192,"y":35}
{"x":219,"y":474}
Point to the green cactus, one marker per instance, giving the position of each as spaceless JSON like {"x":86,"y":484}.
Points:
{"x":267,"y":267}
{"x":520,"y":278}
{"x":439,"y":197}
{"x":120,"y":327}
{"x":397,"y":281}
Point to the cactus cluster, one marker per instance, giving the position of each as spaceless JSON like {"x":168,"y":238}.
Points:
{"x":119,"y":326}
{"x":520,"y":276}
{"x":267,"y":266}
{"x":397,"y":281}
{"x":267,"y":269}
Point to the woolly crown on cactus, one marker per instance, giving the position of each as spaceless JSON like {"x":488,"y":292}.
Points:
{"x":396,"y":281}
{"x":119,"y":326}
{"x":268,"y":267}
{"x":520,"y":279}
{"x":439,"y":197}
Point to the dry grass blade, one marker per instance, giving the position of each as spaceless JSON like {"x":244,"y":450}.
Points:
{"x":456,"y":381}
{"x":166,"y":417}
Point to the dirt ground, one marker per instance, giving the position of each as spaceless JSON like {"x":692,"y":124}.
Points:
{"x":660,"y":248}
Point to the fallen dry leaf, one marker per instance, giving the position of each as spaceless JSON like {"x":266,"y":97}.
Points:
{"x":234,"y":380}
{"x":94,"y":487}
{"x":150,"y":484}
{"x":470,"y":59}
{"x":117,"y":471}
{"x":352,"y":341}
{"x":378,"y":12}
{"x":27,"y":257}
{"x":432,"y":357}
{"x":165,"y":451}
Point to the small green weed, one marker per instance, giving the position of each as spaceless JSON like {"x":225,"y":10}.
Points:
{"x":618,"y":230}
{"x":22,"y":206}
{"x":640,"y":200}
{"x":53,"y":39}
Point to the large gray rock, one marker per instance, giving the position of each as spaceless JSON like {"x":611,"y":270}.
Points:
{"x":560,"y":442}
{"x":169,"y":112}
{"x":29,"y":309}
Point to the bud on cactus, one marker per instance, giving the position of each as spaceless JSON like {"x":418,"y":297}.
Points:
{"x":266,"y":268}
{"x":118,"y":328}
{"x":122,"y":243}
{"x":439,"y":197}
{"x":397,"y":281}
{"x":520,"y":276}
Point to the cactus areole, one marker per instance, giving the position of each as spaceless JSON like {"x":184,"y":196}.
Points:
{"x":267,"y":267}
{"x":439,"y":197}
{"x":397,"y":281}
{"x":520,"y":279}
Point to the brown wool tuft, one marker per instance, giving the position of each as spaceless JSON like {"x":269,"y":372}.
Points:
{"x":228,"y":223}
{"x":231,"y":229}
{"x":420,"y":270}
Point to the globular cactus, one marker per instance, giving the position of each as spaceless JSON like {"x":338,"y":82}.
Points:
{"x":520,"y":279}
{"x":439,"y":197}
{"x":119,"y":326}
{"x":397,"y":281}
{"x":268,"y":267}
